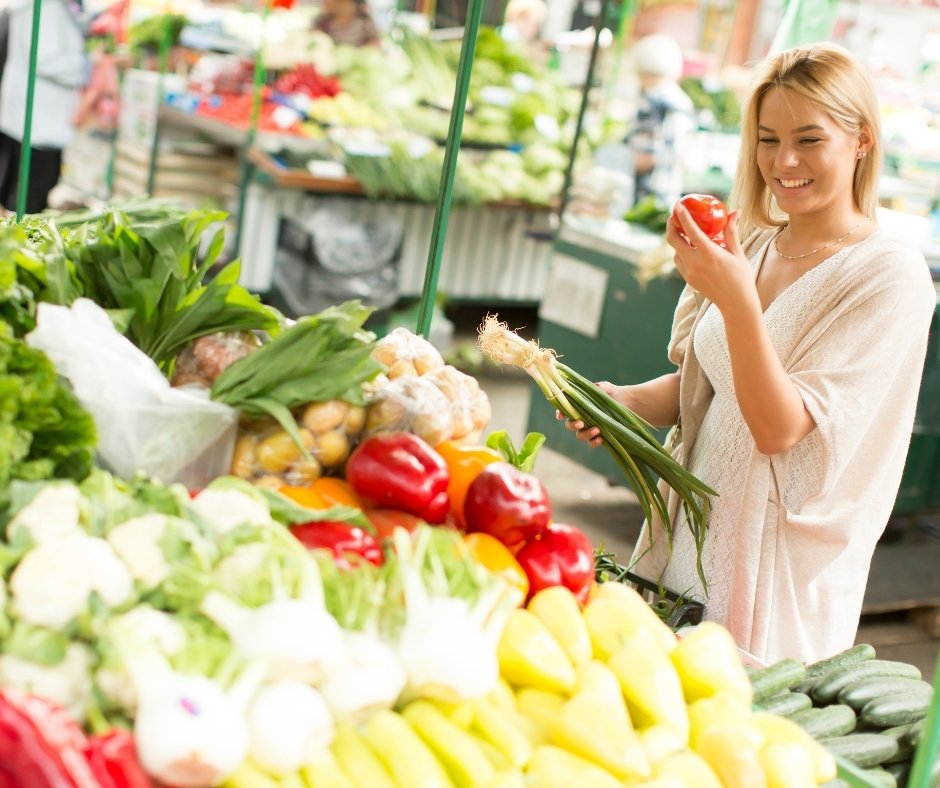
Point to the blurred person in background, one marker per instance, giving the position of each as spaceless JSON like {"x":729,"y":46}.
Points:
{"x":347,"y":22}
{"x":523,"y":20}
{"x":664,"y":116}
{"x":61,"y":70}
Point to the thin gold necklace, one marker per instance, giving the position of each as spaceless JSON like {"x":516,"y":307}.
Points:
{"x":826,"y":246}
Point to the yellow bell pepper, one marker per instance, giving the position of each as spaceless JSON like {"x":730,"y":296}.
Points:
{"x":787,"y":766}
{"x":594,"y":678}
{"x":721,"y":710}
{"x":405,"y":755}
{"x":504,"y":729}
{"x":557,"y":608}
{"x":530,"y":657}
{"x":639,"y":611}
{"x":591,"y":730}
{"x":650,"y":686}
{"x":357,"y":759}
{"x":296,"y":780}
{"x":659,"y":742}
{"x":496,"y":756}
{"x":734,"y":756}
{"x":780,"y":730}
{"x":249,"y":775}
{"x":499,"y":560}
{"x":553,"y":767}
{"x":610,"y":626}
{"x":325,"y":772}
{"x":508,"y":779}
{"x":502,"y":695}
{"x":542,"y":709}
{"x":456,"y":749}
{"x":689,"y":769}
{"x":707,"y":662}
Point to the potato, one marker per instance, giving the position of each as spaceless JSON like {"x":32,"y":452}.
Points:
{"x":332,"y":448}
{"x":277,"y":452}
{"x":324,"y":416}
{"x":355,"y":420}
{"x":243,"y":458}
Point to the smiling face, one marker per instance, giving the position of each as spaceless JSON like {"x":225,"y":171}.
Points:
{"x":806,"y":159}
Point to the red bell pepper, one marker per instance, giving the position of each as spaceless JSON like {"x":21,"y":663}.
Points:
{"x":113,"y":759}
{"x":342,"y":539}
{"x":399,"y":470}
{"x":561,"y":556}
{"x":40,"y":745}
{"x":507,"y":503}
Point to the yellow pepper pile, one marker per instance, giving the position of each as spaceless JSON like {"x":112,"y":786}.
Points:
{"x":600,"y":696}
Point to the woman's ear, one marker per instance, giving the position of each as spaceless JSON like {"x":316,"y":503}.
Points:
{"x":866,"y":140}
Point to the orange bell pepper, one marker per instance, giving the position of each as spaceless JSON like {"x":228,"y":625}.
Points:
{"x":498,"y":558}
{"x":464,"y":464}
{"x":324,"y":493}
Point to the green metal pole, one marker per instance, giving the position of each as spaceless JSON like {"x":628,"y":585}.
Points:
{"x":257,"y":99}
{"x":451,"y":149}
{"x":163,"y":62}
{"x":585,"y":98}
{"x":26,"y":149}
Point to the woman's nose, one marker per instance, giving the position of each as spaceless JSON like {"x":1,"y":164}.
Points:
{"x":787,"y":157}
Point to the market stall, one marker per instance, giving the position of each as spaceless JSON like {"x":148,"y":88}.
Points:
{"x":238,"y":550}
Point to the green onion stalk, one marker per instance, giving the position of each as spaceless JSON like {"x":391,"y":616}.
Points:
{"x":628,"y":438}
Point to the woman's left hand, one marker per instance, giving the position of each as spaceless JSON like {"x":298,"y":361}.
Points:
{"x":723,"y":276}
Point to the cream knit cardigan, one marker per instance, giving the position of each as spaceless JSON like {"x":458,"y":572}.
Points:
{"x":799,"y":576}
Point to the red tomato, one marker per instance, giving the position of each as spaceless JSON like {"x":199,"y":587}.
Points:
{"x":561,"y":556}
{"x":341,"y":539}
{"x":708,"y":212}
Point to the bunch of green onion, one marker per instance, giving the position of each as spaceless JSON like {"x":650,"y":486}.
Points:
{"x":628,"y":438}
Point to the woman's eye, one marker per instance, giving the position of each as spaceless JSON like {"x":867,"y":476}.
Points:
{"x":767,"y":140}
{"x":809,"y":140}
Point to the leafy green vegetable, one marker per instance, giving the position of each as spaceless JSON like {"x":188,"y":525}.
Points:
{"x":44,"y":432}
{"x":322,"y":357}
{"x":36,"y":644}
{"x":153,"y":274}
{"x":650,"y":213}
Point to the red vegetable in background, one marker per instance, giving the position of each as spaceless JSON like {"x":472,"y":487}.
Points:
{"x":561,"y":556}
{"x":399,"y":470}
{"x":708,"y":212}
{"x":342,"y":539}
{"x":507,"y":503}
{"x":113,"y":759}
{"x":40,"y":745}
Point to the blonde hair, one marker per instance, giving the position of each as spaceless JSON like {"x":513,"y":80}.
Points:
{"x":830,"y":77}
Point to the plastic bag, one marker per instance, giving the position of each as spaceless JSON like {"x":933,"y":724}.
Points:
{"x":202,"y":361}
{"x":469,"y":406}
{"x":406,"y":353}
{"x":411,"y":404}
{"x":144,"y":425}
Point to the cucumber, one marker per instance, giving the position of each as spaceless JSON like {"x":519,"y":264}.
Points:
{"x":865,"y":750}
{"x":776,"y":678}
{"x":806,"y":685}
{"x":836,"y":720}
{"x":860,"y":692}
{"x":785,"y":704}
{"x":907,"y":737}
{"x":900,"y":770}
{"x":858,"y":653}
{"x":894,"y":710}
{"x":829,"y":687}
{"x":880,"y":778}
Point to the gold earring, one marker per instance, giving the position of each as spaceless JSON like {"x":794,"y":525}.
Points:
{"x":861,"y":154}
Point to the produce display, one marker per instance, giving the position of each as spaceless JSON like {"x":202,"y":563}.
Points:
{"x":868,"y":711}
{"x":369,"y":593}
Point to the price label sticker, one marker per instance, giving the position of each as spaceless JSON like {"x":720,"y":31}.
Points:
{"x":574,"y":295}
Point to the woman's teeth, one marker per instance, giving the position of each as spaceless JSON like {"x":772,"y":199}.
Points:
{"x":794,"y":184}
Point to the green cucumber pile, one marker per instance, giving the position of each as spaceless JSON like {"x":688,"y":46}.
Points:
{"x":867,"y":711}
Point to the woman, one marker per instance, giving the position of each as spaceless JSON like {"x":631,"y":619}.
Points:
{"x":799,"y":355}
{"x":61,"y":69}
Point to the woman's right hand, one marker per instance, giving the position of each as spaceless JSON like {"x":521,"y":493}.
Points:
{"x":592,"y":435}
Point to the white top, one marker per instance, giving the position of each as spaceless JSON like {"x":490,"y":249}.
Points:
{"x":790,"y":537}
{"x":61,"y":69}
